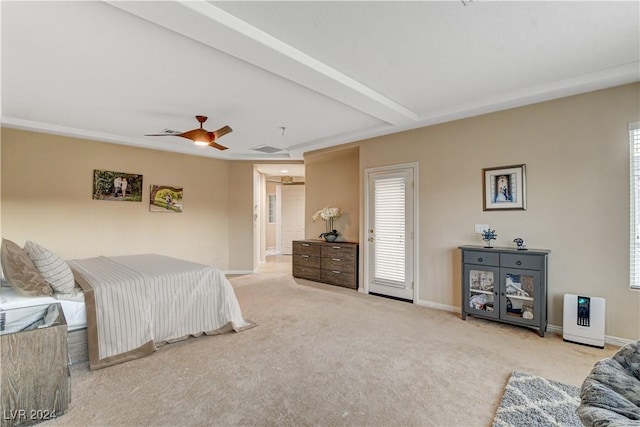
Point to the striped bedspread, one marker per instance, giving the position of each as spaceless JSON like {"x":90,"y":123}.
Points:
{"x":135,"y":303}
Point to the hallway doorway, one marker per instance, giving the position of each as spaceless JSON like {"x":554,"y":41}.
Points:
{"x":279,"y":215}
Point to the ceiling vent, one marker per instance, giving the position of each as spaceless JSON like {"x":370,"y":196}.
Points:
{"x":268,"y":149}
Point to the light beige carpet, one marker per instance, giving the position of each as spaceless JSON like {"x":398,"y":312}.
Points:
{"x":323,"y":355}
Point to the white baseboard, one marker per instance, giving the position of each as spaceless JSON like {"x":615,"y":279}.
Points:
{"x":554,"y":329}
{"x":239,"y":271}
{"x":608,"y":339}
{"x":616,"y":340}
{"x":438,"y":306}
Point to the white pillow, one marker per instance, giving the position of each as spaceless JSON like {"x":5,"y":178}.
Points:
{"x":52,"y":268}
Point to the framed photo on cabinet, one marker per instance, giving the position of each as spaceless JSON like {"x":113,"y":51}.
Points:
{"x":504,"y":188}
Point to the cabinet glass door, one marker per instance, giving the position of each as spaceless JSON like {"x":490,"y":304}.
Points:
{"x":481,"y":289}
{"x":519,"y":296}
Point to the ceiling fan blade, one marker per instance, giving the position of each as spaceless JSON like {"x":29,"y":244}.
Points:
{"x":165,"y":132}
{"x":216,"y":145}
{"x":199,"y":136}
{"x":196,"y":134}
{"x":221,"y":132}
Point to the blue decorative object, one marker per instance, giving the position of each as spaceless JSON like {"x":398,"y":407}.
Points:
{"x":331,"y":236}
{"x":488,"y":235}
{"x":520,"y":244}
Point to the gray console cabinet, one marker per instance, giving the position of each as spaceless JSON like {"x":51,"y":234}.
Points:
{"x":506,"y":285}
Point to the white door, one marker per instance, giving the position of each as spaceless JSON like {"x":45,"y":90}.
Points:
{"x":390,"y":249}
{"x":292,"y":216}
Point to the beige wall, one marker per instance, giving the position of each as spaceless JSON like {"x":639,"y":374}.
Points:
{"x":576,"y":152}
{"x":47,"y":188}
{"x":240,"y":208}
{"x":332,"y":180}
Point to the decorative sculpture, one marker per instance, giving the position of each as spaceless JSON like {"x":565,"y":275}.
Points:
{"x":488,"y":235}
{"x":520,"y":244}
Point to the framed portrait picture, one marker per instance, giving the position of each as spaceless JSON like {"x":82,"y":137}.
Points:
{"x":117,"y":186}
{"x":504,"y":188}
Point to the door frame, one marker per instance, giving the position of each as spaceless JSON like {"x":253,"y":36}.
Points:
{"x":415,"y":237}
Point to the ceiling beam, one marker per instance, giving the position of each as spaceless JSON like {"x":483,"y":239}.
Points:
{"x":203,"y":22}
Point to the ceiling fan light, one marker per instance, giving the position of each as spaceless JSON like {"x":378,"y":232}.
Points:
{"x":201,"y":143}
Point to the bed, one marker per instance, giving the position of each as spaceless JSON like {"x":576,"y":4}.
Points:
{"x":135,"y":303}
{"x":122,"y":308}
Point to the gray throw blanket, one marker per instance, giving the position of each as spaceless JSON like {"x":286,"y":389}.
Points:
{"x":610,"y":394}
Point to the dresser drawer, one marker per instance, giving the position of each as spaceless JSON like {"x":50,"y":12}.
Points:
{"x":306,"y":248}
{"x":481,"y":258}
{"x":335,"y":277}
{"x":528,"y":262}
{"x":336,"y":250}
{"x":344,"y":265}
{"x":309,"y":273}
{"x":306,"y":260}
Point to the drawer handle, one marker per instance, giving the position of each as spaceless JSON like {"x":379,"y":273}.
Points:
{"x":336,"y":247}
{"x":336,"y":259}
{"x":305,"y":256}
{"x":335,"y":271}
{"x":518,"y":262}
{"x":305,"y":244}
{"x":480,"y":259}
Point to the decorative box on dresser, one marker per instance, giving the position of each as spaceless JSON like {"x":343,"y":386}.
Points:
{"x":334,"y":263}
{"x":34,"y":368}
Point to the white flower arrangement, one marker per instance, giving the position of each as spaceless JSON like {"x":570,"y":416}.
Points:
{"x":328,"y":215}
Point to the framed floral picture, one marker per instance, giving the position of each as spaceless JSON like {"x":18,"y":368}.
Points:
{"x":504,"y":188}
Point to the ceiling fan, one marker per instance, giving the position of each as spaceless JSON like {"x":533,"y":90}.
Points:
{"x":199,"y":136}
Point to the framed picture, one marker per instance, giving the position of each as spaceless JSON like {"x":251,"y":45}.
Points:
{"x":504,"y":188}
{"x":164,"y":198}
{"x":117,"y":186}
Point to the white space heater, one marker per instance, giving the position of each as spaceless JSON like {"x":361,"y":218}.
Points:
{"x":583,"y":320}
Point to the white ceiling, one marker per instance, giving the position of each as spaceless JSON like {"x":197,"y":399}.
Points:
{"x":330,"y":72}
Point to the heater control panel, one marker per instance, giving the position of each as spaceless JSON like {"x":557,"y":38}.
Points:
{"x":583,"y":320}
{"x":583,"y":310}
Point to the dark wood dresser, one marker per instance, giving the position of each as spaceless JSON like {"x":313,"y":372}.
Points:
{"x":333,"y":263}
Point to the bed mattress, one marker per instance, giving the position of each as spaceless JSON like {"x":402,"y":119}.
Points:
{"x":74,"y":311}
